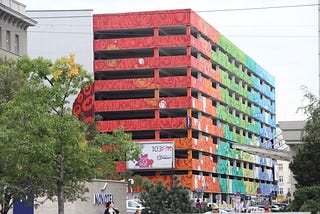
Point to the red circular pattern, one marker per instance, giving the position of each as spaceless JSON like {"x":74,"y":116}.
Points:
{"x":83,"y":105}
{"x":80,"y":98}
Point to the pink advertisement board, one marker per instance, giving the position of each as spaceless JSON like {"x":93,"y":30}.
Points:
{"x":154,"y":155}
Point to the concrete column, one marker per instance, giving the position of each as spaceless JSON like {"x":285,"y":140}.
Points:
{"x":156,"y":52}
{"x":156,"y":31}
{"x":240,"y":67}
{"x":199,"y":76}
{"x":198,"y":36}
{"x":234,"y":129}
{"x":241,"y":164}
{"x":246,"y":86}
{"x":188,"y":30}
{"x":156,"y":73}
{"x":199,"y":115}
{"x":188,"y":51}
{"x":241,"y":115}
{"x":199,"y":96}
{"x":229,"y":199}
{"x":233,"y":95}
{"x":241,"y":131}
{"x":233,"y":61}
{"x":199,"y":57}
{"x":233,"y":78}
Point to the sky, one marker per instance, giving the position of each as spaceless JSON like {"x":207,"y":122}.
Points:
{"x":283,"y":40}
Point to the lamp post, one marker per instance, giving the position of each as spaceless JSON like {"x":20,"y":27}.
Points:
{"x":172,"y":165}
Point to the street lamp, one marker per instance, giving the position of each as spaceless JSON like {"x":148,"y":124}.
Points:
{"x":172,"y":165}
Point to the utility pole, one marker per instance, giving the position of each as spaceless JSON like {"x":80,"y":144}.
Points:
{"x":319,"y":44}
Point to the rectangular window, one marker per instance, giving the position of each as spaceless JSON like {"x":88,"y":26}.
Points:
{"x":280,"y":167}
{"x":16,"y":44}
{"x":280,"y":191}
{"x":281,"y":179}
{"x":8,"y":41}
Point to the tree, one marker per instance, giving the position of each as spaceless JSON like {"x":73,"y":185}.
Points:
{"x":306,"y":199}
{"x":157,"y":199}
{"x":44,"y":149}
{"x":11,"y":79}
{"x":304,"y":165}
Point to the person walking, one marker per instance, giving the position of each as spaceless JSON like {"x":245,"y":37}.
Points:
{"x":138,"y":211}
{"x":198,"y":205}
{"x":203,"y":205}
{"x":110,"y":209}
{"x":1,"y":208}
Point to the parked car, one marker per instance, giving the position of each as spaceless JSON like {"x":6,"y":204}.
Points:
{"x":253,"y":209}
{"x":132,"y":206}
{"x":275,"y":208}
{"x":220,"y":211}
{"x":226,"y":211}
{"x":212,"y":205}
{"x":283,"y":206}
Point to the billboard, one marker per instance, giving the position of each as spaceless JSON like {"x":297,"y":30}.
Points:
{"x":154,"y":155}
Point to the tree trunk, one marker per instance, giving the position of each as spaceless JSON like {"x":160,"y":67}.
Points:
{"x":60,"y":197}
{"x":6,"y":204}
{"x":60,"y":183}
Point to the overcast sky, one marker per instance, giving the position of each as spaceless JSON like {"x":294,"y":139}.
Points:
{"x":283,"y":40}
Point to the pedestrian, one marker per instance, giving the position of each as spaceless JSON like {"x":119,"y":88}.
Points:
{"x":1,"y":208}
{"x":138,"y":211}
{"x":204,"y":205}
{"x":110,"y":209}
{"x":198,"y":204}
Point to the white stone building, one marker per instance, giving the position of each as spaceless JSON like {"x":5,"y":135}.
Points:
{"x":13,"y":29}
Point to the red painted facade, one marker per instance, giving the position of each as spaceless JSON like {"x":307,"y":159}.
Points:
{"x":170,"y":76}
{"x":114,"y":23}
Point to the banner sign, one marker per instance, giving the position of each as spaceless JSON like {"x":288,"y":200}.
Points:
{"x":154,"y":155}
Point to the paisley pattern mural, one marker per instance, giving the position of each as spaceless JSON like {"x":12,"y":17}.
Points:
{"x":227,"y":92}
{"x":83,"y":105}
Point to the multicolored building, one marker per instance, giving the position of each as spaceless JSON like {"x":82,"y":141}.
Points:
{"x":170,"y":76}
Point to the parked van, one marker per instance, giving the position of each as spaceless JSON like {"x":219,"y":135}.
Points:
{"x":132,"y":206}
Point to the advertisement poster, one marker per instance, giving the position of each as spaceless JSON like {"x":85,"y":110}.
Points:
{"x":154,"y":155}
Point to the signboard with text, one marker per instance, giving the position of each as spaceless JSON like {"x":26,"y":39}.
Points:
{"x":154,"y":155}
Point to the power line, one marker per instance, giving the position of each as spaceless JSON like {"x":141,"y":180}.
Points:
{"x":178,"y":12}
{"x":248,"y":35}
{"x":258,"y":8}
{"x":231,"y":26}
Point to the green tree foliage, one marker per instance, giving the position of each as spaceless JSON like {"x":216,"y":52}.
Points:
{"x":305,"y":165}
{"x":157,"y":199}
{"x":11,"y":79}
{"x":306,"y":199}
{"x":45,"y":151}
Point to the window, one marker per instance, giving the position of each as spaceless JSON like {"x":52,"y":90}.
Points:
{"x":281,"y":179}
{"x":280,"y":191}
{"x":8,"y":41}
{"x":16,"y":44}
{"x":280,"y":167}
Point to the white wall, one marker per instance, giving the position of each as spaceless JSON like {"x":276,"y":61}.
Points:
{"x":116,"y":188}
{"x":61,"y":32}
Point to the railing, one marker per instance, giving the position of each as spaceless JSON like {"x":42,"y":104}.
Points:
{"x":17,"y":6}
